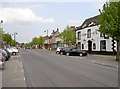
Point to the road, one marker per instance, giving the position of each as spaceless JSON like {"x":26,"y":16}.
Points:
{"x":46,"y":69}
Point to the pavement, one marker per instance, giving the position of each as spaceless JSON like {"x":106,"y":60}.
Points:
{"x":13,"y":74}
{"x":104,"y":60}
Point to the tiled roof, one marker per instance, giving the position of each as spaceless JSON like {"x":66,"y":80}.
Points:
{"x":89,"y":22}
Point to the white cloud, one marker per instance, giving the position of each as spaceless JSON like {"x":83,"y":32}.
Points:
{"x":98,"y":5}
{"x":74,"y":21}
{"x":21,"y":14}
{"x":54,"y":0}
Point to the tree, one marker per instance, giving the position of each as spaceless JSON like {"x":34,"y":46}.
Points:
{"x":41,"y":41}
{"x":35,"y":40}
{"x":1,"y":33}
{"x":68,"y":36}
{"x":7,"y":38}
{"x":109,"y":21}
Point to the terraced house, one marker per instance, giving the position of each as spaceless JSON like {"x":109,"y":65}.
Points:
{"x":91,"y":40}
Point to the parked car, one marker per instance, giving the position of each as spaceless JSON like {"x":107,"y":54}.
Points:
{"x":2,"y":61}
{"x":58,"y":49}
{"x":63,"y":51}
{"x":13,"y":50}
{"x":76,"y":52}
{"x":6,"y":54}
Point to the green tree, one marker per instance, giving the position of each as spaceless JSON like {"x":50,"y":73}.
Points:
{"x":7,"y":38}
{"x":109,"y":21}
{"x":41,"y":41}
{"x":1,"y":33}
{"x":68,"y":36}
{"x":35,"y":40}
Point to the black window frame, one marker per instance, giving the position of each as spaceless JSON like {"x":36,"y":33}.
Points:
{"x":94,"y":46}
{"x":79,"y":35}
{"x":103,"y":45}
{"x":89,"y":33}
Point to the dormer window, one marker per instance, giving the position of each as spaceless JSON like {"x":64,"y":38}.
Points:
{"x":84,"y":26}
{"x":92,"y":23}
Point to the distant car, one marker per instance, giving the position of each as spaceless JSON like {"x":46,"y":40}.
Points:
{"x":58,"y":49}
{"x":28,"y":47}
{"x":76,"y":52}
{"x":2,"y":61}
{"x":63,"y":51}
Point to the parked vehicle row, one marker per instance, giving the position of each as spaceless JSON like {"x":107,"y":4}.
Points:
{"x":5,"y":55}
{"x":70,"y":51}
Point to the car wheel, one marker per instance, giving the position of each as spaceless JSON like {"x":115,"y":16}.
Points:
{"x":14,"y":53}
{"x":81,"y":54}
{"x":61,"y":53}
{"x":67,"y":54}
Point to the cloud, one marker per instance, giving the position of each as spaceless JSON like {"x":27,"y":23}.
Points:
{"x":74,"y":21}
{"x":54,"y":0}
{"x":98,"y":5}
{"x":21,"y":14}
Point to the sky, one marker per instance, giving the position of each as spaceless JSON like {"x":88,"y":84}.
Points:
{"x":31,"y":18}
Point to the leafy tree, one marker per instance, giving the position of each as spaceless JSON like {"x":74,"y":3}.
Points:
{"x":41,"y":40}
{"x":7,"y":38}
{"x":1,"y":33}
{"x":35,"y":40}
{"x":68,"y":36}
{"x":109,"y":21}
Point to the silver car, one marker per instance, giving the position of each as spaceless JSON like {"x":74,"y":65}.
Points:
{"x":2,"y":61}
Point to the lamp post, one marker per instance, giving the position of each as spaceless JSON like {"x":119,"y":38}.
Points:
{"x":1,"y":34}
{"x":14,"y":34}
{"x":47,"y":39}
{"x":46,"y":31}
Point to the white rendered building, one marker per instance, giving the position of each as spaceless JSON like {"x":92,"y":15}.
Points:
{"x":91,"y":40}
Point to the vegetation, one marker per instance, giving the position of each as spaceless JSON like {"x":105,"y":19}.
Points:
{"x":37,"y":41}
{"x":109,"y":21}
{"x":68,"y":36}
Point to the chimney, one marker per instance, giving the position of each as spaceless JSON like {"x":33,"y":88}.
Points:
{"x":53,"y":31}
{"x":58,"y":29}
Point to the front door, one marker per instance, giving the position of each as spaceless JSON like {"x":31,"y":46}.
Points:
{"x":89,"y":46}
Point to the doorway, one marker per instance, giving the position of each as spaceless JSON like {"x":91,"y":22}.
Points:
{"x":89,"y":46}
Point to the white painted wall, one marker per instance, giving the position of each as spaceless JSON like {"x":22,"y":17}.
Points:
{"x":95,"y":35}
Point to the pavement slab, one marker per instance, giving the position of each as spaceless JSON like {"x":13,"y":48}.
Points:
{"x":13,"y":74}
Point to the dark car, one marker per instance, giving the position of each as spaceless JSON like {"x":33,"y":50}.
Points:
{"x":63,"y":51}
{"x":76,"y":52}
{"x":8,"y":54}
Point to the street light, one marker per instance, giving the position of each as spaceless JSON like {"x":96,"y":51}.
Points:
{"x":46,"y":31}
{"x":14,"y":34}
{"x":1,"y":34}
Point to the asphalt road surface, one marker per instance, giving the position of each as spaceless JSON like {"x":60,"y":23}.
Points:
{"x":46,"y":69}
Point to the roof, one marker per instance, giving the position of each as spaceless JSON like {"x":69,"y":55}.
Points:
{"x":89,"y":22}
{"x":46,"y":37}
